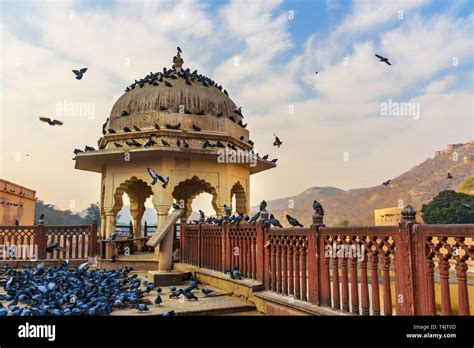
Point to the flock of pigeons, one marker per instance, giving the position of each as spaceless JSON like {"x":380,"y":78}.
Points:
{"x":239,"y":217}
{"x":70,"y":291}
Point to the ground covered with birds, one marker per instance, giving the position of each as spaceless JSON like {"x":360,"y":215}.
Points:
{"x":67,"y":291}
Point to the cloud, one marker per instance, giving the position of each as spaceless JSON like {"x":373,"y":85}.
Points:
{"x":335,"y":111}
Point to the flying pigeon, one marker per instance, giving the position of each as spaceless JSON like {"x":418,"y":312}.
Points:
{"x":164,"y":179}
{"x":277,"y":141}
{"x":79,"y":73}
{"x":50,"y":121}
{"x":54,"y":247}
{"x":383,"y":59}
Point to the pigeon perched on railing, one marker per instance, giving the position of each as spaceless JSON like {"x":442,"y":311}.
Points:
{"x":274,"y":221}
{"x":255,"y":217}
{"x":293,"y":222}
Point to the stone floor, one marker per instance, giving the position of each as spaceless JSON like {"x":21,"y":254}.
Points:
{"x":217,"y":303}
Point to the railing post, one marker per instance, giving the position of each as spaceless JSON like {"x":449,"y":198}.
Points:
{"x":40,"y":240}
{"x":200,"y":244}
{"x":93,"y":239}
{"x":182,"y":244}
{"x":224,"y":242}
{"x":315,"y":256}
{"x":405,"y":264}
{"x":260,"y":251}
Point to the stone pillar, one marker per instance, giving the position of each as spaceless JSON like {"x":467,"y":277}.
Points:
{"x":102,"y":225}
{"x":109,"y":229}
{"x":137,"y":226}
{"x":165,"y":250}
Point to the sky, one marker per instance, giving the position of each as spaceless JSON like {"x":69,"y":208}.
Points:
{"x":333,"y":124}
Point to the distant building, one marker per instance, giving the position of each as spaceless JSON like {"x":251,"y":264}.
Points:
{"x":391,"y":216}
{"x":16,"y":203}
{"x":387,"y":216}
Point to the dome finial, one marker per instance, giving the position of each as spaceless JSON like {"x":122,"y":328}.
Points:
{"x":177,"y":60}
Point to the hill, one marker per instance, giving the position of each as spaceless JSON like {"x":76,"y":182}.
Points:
{"x":416,"y":186}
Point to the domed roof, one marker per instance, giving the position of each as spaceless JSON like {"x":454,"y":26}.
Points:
{"x":176,"y":90}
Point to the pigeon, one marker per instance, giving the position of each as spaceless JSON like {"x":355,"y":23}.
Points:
{"x":164,"y":142}
{"x":465,"y":205}
{"x":227,"y":210}
{"x":179,"y":50}
{"x":206,"y":291}
{"x":157,"y":126}
{"x":142,"y":307}
{"x":196,"y":128}
{"x":449,"y":176}
{"x":112,"y":237}
{"x":89,"y":148}
{"x":133,"y":142}
{"x":383,"y":59}
{"x":77,"y":151}
{"x":150,"y":142}
{"x":190,"y":296}
{"x":50,"y":121}
{"x":265,"y":157}
{"x":158,"y":300}
{"x":263,"y":206}
{"x":117,"y":144}
{"x":255,"y":218}
{"x":124,"y":113}
{"x":164,"y":179}
{"x":386,"y":183}
{"x":137,"y":129}
{"x":201,"y":214}
{"x":318,"y":208}
{"x":111,"y":131}
{"x":169,"y":314}
{"x":293,"y":222}
{"x":235,"y":274}
{"x":274,"y":160}
{"x":176,"y":293}
{"x":277,"y":141}
{"x":54,"y":247}
{"x":126,"y":129}
{"x":79,"y":73}
{"x":239,"y":218}
{"x":176,"y":206}
{"x":168,"y":84}
{"x":274,"y":221}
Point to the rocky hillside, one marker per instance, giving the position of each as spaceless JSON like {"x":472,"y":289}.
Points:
{"x":416,"y":186}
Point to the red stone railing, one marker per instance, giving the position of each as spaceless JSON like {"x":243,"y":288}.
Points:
{"x":378,"y":271}
{"x":29,"y":242}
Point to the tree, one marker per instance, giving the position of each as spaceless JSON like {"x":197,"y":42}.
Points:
{"x":93,"y":213}
{"x":449,"y":207}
